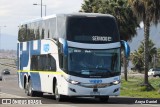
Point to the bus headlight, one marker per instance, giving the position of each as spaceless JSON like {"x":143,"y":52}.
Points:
{"x":73,"y":82}
{"x":115,"y":82}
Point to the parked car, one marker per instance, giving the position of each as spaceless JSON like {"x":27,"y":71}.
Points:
{"x":6,"y":72}
{"x":154,"y":72}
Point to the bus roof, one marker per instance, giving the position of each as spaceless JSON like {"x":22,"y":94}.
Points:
{"x":67,"y":15}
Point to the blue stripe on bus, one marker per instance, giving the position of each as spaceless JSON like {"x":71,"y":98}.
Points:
{"x":21,"y":46}
{"x":17,"y":63}
{"x":36,"y":81}
{"x":21,"y":77}
{"x":35,"y":78}
{"x":24,"y":56}
{"x":20,"y":50}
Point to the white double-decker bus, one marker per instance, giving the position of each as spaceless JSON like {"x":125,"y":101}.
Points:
{"x":76,"y":55}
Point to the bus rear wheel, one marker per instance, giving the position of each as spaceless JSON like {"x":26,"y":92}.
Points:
{"x":28,"y":89}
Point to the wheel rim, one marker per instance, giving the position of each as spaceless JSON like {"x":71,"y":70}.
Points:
{"x":29,"y":90}
{"x":56,"y":93}
{"x":26,"y":88}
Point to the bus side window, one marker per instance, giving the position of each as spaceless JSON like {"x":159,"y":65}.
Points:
{"x":62,"y":58}
{"x":52,"y":63}
{"x":34,"y":63}
{"x":43,"y":63}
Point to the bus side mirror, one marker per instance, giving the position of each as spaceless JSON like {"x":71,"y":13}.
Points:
{"x":64,"y":46}
{"x":126,"y":48}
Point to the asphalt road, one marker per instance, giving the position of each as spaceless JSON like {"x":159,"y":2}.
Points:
{"x":9,"y":90}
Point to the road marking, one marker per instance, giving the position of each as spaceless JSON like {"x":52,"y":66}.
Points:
{"x":65,"y":105}
{"x":156,"y":105}
{"x":6,"y":95}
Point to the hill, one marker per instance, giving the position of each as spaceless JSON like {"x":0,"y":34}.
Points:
{"x":8,"y":42}
{"x":154,"y":35}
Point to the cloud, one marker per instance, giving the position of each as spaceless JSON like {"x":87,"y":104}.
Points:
{"x":3,"y":13}
{"x":13,"y":12}
{"x":26,"y":8}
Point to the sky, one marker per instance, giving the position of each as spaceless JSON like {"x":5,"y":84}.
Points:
{"x":13,"y":12}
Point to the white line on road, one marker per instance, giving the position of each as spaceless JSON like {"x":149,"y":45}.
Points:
{"x":6,"y":95}
{"x":156,"y":105}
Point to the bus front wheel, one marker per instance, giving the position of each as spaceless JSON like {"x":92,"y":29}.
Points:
{"x":58,"y":97}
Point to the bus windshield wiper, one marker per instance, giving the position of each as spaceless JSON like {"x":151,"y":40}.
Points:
{"x":102,"y":68}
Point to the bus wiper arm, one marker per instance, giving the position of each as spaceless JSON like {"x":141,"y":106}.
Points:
{"x":101,"y":68}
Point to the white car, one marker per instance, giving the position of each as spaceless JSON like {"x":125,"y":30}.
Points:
{"x":154,"y":72}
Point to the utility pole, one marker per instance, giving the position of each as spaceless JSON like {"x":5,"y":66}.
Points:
{"x":44,"y":6}
{"x":41,"y":8}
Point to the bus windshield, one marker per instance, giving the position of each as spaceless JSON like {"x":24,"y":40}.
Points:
{"x":93,"y":63}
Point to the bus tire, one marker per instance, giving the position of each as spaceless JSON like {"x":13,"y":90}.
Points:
{"x":104,"y":99}
{"x":29,"y":90}
{"x":58,"y":97}
{"x":38,"y":94}
{"x":26,"y":89}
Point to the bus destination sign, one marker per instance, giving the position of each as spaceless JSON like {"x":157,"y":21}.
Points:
{"x":102,"y":38}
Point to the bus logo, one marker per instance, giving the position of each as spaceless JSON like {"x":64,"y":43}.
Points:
{"x":95,"y":81}
{"x":46,"y":47}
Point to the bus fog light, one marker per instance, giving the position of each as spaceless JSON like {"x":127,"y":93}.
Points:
{"x":73,"y":90}
{"x":117,"y":89}
{"x":115,"y":82}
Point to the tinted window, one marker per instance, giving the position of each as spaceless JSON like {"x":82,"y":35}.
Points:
{"x":22,"y":34}
{"x":91,"y":63}
{"x":92,"y":29}
{"x":43,"y":63}
{"x":40,"y":30}
{"x":62,"y":58}
{"x":156,"y":69}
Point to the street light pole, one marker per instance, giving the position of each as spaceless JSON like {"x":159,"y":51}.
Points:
{"x":41,"y":8}
{"x":44,"y":6}
{"x":45,"y":10}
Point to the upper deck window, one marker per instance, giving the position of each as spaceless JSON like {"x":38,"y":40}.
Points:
{"x":92,"y":29}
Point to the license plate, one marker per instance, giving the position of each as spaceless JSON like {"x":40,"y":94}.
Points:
{"x":95,"y":93}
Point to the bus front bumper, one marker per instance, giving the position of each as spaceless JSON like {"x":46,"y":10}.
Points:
{"x":78,"y":90}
